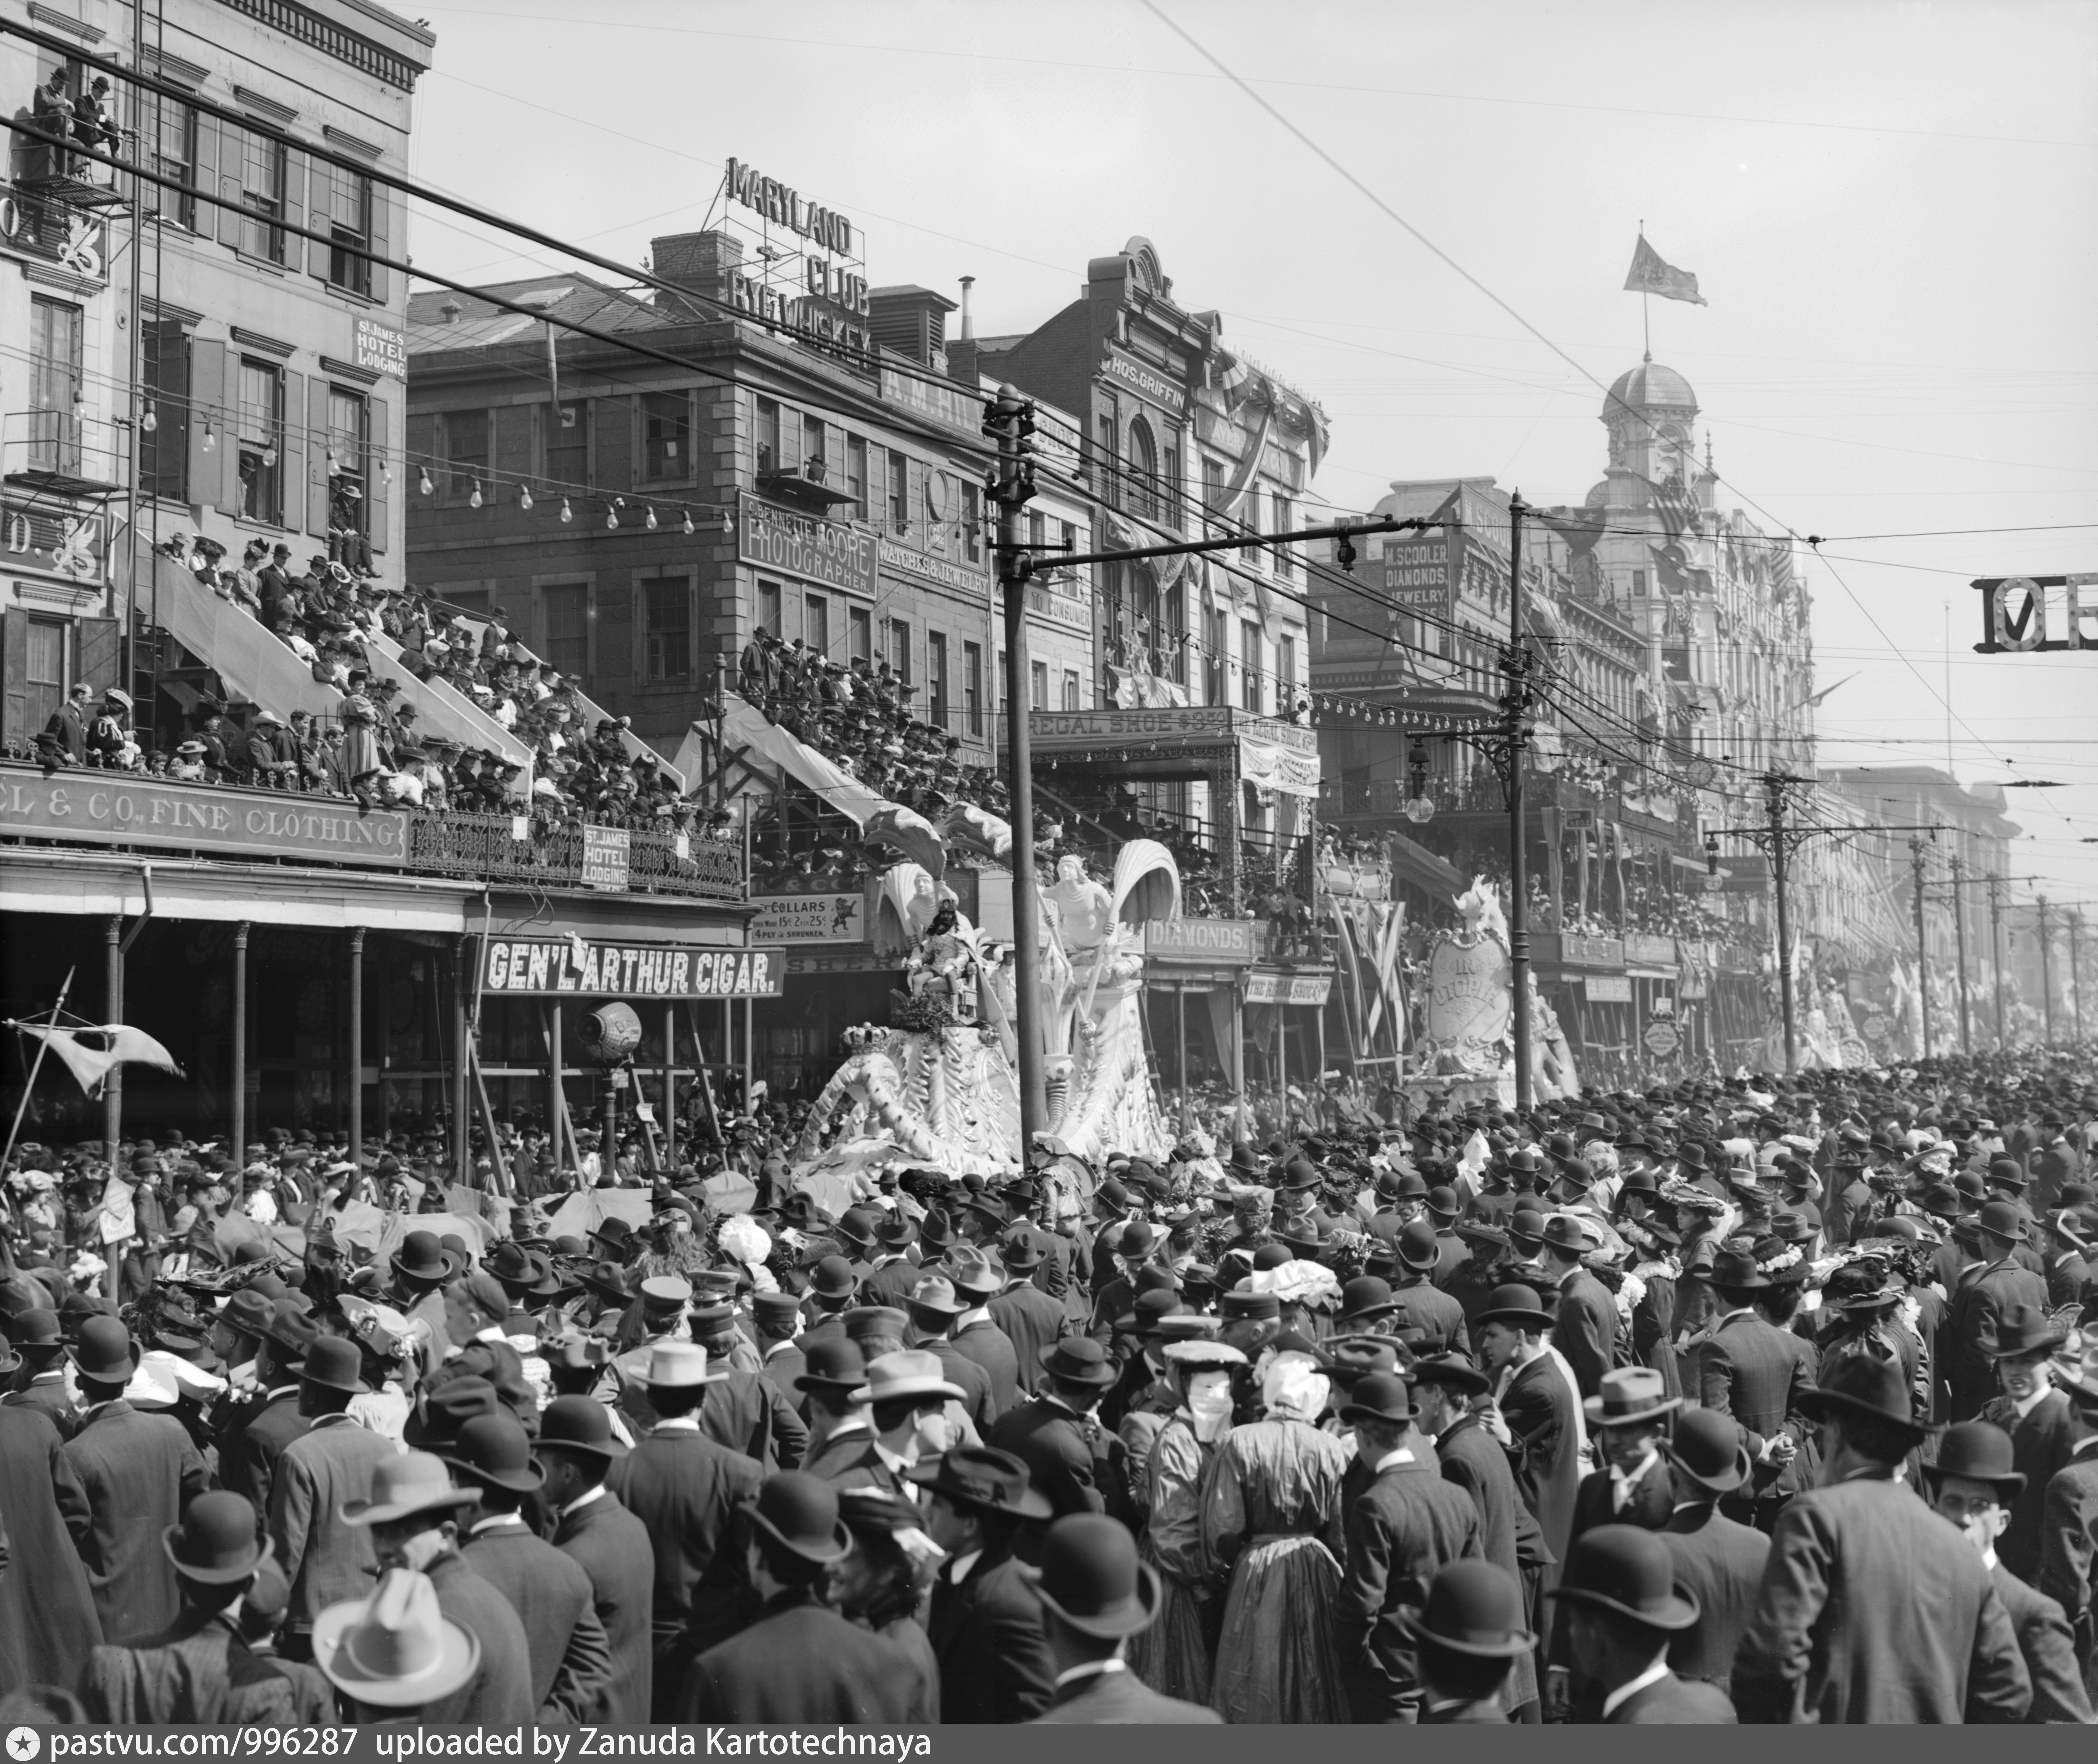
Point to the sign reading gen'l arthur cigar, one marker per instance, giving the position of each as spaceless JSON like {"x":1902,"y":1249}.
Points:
{"x":576,"y":965}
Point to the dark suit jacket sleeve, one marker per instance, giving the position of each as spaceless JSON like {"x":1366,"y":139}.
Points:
{"x":1999,"y":1687}
{"x":1023,"y":1673}
{"x":1367,"y":1586}
{"x":1771,"y":1663}
{"x":790,"y":1432}
{"x":585,"y":1674}
{"x":2050,"y":1655}
{"x":1715,"y":1388}
{"x":2065,"y":1545}
{"x":1584,"y":1337}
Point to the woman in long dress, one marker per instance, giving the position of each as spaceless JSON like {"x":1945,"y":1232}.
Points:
{"x":1271,"y":1520}
{"x":1172,"y":1655}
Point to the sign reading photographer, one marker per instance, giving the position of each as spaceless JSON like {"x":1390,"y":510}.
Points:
{"x":553,"y":967}
{"x":838,"y":553}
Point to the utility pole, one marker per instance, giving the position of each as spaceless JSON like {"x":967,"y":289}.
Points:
{"x":1922,"y":949}
{"x":2076,"y":970}
{"x":1514,"y":707}
{"x":1996,"y":951}
{"x":2046,"y":974}
{"x":1774,"y":783}
{"x":1009,"y":420}
{"x":1960,"y":936}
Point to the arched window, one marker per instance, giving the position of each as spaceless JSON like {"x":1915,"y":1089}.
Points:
{"x":1142,"y":470}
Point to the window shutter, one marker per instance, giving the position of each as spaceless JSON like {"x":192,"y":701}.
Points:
{"x":295,"y":209}
{"x":614,"y":445}
{"x":316,"y":476}
{"x":320,"y":206}
{"x":378,"y":494}
{"x":382,"y":236}
{"x":14,"y":695}
{"x":293,"y":450}
{"x":203,"y":174}
{"x":101,"y":655}
{"x":232,"y":168}
{"x":207,"y":417}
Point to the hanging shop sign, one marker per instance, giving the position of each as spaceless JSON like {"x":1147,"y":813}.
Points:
{"x":838,"y":553}
{"x":53,"y":540}
{"x":1271,"y":986}
{"x":1661,"y":1039}
{"x":1147,"y":381}
{"x":1417,"y":573}
{"x":799,"y":918}
{"x":96,"y":808}
{"x":901,"y":560}
{"x":381,"y":350}
{"x":1607,"y":989}
{"x":2024,"y":613}
{"x":1213,"y":941}
{"x":606,"y":858}
{"x":575,"y":966}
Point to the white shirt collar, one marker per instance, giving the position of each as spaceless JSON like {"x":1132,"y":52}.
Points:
{"x":583,"y":1500}
{"x":957,"y":1570}
{"x":981,"y":1313}
{"x":494,"y":1522}
{"x":1403,"y":1455}
{"x":2025,"y":1405}
{"x":1653,"y":1674}
{"x":679,"y":1424}
{"x":1091,"y":1668}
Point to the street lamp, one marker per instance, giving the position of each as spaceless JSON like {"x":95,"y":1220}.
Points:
{"x":1419,"y":805}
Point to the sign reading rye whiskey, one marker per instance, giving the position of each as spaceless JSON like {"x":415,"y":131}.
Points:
{"x":583,"y":967}
{"x":117,"y":808}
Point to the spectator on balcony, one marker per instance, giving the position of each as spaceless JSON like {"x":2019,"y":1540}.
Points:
{"x":51,"y":114}
{"x":93,"y":125}
{"x":362,"y":763}
{"x":188,"y":763}
{"x":109,"y":741}
{"x":73,"y":721}
{"x":273,"y":757}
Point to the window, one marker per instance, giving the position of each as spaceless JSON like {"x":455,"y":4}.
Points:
{"x":971,"y":520}
{"x":856,"y":473}
{"x":1071,"y":690}
{"x":1249,"y":687}
{"x":260,"y":419}
{"x":768,"y":607}
{"x":342,"y":210}
{"x":1067,"y":537}
{"x":44,"y":655}
{"x":899,"y":493}
{"x":1285,"y":674}
{"x":165,"y":377}
{"x":1213,"y":656}
{"x":816,"y":624}
{"x":349,"y":442}
{"x":1104,"y":475}
{"x":972,"y":686}
{"x":1168,"y":490}
{"x":936,"y":670}
{"x":466,"y":452}
{"x":174,"y":157}
{"x":1639,"y":581}
{"x":859,"y":622}
{"x":1038,"y":686}
{"x":811,"y":465}
{"x":897,"y":649}
{"x":666,"y":437}
{"x":55,"y":385}
{"x":1142,"y":470}
{"x":768,"y":435}
{"x":667,"y":621}
{"x":1212,"y":483}
{"x":568,"y":446}
{"x":1285,"y":521}
{"x":938,"y":505}
{"x":1037,"y":533}
{"x":258,"y":163}
{"x":565,"y":621}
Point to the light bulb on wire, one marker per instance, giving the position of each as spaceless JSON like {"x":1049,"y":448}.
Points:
{"x":611,"y":518}
{"x":426,"y":486}
{"x":650,"y":523}
{"x":334,"y":464}
{"x":568,"y":514}
{"x":473,"y":501}
{"x":524,"y":497}
{"x":210,"y":440}
{"x":149,"y":422}
{"x":728,"y":523}
{"x":269,"y":454}
{"x":688,"y":520}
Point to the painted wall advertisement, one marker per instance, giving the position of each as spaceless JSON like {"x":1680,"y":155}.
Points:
{"x":578,"y":966}
{"x":838,"y":553}
{"x":801,"y":918}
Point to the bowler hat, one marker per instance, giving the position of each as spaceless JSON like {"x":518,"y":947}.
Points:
{"x":983,"y":1478}
{"x":1473,"y":1608}
{"x":105,"y":1350}
{"x":1521,"y":1306}
{"x":332,"y":1363}
{"x":1380,"y":1396}
{"x":422,"y":1257}
{"x":1627,"y":1571}
{"x":832,"y":1277}
{"x":1707,"y":1447}
{"x":835,"y":1363}
{"x":1417,"y":1245}
{"x":579,"y":1424}
{"x":800,"y":1513}
{"x":1090,"y":1578}
{"x":2002,"y":1219}
{"x":216,"y":1544}
{"x":1367,"y":1295}
{"x":1980,"y":1451}
{"x":492,"y":1449}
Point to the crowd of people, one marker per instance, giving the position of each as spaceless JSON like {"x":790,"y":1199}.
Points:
{"x":1760,"y":1399}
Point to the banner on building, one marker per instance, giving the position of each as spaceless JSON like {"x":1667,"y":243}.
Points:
{"x":1269,"y":986}
{"x":113,"y":809}
{"x":576,"y":965}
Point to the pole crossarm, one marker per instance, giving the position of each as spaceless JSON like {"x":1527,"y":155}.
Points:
{"x":1242,"y":542}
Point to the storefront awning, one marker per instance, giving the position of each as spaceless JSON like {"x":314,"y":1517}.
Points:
{"x":1415,"y":864}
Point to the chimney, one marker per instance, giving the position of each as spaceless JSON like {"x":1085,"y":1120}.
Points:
{"x":968,"y":326}
{"x":707,"y":263}
{"x":912,"y":321}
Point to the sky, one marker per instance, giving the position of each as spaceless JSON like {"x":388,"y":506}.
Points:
{"x":1892,"y":209}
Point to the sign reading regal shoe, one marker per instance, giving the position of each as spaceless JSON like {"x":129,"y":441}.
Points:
{"x":2029,"y":613}
{"x":580,"y":967}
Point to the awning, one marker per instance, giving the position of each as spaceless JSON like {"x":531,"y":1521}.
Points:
{"x":1415,"y":864}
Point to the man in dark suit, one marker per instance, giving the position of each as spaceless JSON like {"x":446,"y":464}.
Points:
{"x":904,"y":1397}
{"x":2069,"y":1521}
{"x":1032,"y":1318}
{"x":930,"y":1310}
{"x":800,"y":1661}
{"x":979,"y":1277}
{"x":985,"y":1623}
{"x":1633,"y":1488}
{"x":42,"y":1346}
{"x":1417,"y":1301}
{"x":72,"y":720}
{"x":570,"y":1661}
{"x":1584,"y":1329}
{"x":1467,"y":1638}
{"x":1718,"y":1561}
{"x":1972,"y":1482}
{"x":1987,"y":1290}
{"x":889,"y":1280}
{"x":1872,"y":1609}
{"x":1404,"y":1525}
{"x":47,"y":1617}
{"x":2043,"y":1432}
{"x":331,"y":1464}
{"x":745,"y":1411}
{"x":781,"y":1357}
{"x":1537,"y":1413}
{"x":250,"y":1466}
{"x":612,"y":1547}
{"x":1074,"y":1462}
{"x":139,"y":1473}
{"x":1750,"y":1368}
{"x":685,"y":1489}
{"x":1094,"y":1595}
{"x":1620,"y":1583}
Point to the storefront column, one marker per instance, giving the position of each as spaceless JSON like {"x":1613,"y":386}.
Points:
{"x":1180,"y":1016}
{"x":112,"y":1090}
{"x":356,"y":1045}
{"x":461,"y":1070}
{"x":240,"y":1047}
{"x":1224,"y":797}
{"x":554,"y":1130}
{"x":749,"y":1043}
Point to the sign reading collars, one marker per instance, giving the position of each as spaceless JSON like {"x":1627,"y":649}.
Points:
{"x":574,"y":965}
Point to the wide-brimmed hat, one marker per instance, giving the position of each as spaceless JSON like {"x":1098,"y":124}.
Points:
{"x":1022,"y":1250}
{"x":216,"y":1544}
{"x":1091,"y":1579}
{"x":908,"y":1372}
{"x":985,"y":1478}
{"x":978,"y":1272}
{"x":1384,"y":1397}
{"x":934,"y":1294}
{"x":1862,"y":1385}
{"x":580,"y":1424}
{"x":1708,"y":1449}
{"x":1628,"y":1571}
{"x":1980,"y":1451}
{"x":1473,"y":1608}
{"x":1629,"y":1396}
{"x":800,"y":1513}
{"x":677,"y":1365}
{"x":396,"y":1649}
{"x":1079,"y":1360}
{"x":493,"y":1450}
{"x":2026,"y":1329}
{"x":1515,"y":1304}
{"x":413,"y":1482}
{"x":1454,"y":1372}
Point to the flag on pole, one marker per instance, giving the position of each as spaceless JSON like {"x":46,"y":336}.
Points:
{"x":1651,"y":273}
{"x":91,"y":1054}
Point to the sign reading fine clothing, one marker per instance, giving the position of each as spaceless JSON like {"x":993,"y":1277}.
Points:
{"x":833,"y":552}
{"x":557,"y":967}
{"x":112,"y":809}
